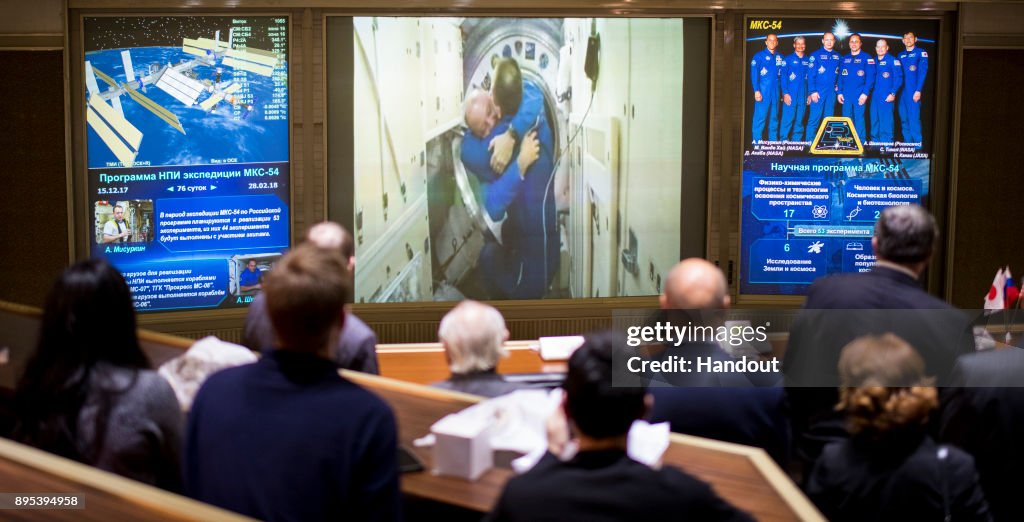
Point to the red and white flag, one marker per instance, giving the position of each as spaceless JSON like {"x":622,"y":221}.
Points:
{"x":994,"y":300}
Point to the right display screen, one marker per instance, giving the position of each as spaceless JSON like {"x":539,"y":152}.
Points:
{"x":838,"y":127}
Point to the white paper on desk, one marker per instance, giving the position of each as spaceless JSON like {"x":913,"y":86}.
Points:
{"x":647,"y":442}
{"x":559,"y":348}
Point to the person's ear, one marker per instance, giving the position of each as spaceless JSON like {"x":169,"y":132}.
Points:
{"x":504,"y":336}
{"x":874,"y":245}
{"x":663,"y":302}
{"x":726,"y":301}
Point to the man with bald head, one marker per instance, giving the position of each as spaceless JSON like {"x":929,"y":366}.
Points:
{"x":356,"y":348}
{"x":723,"y":406}
{"x":694,"y":284}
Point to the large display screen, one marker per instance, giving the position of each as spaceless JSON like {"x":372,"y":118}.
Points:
{"x":838,"y":127}
{"x":508,"y":158}
{"x":187,"y":153}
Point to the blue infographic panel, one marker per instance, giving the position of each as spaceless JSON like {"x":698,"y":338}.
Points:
{"x":807,"y":217}
{"x":839,"y":120}
{"x":187,"y":154}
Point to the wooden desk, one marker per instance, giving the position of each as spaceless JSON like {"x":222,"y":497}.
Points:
{"x":743,"y":475}
{"x":107,"y":496}
{"x":424,"y":363}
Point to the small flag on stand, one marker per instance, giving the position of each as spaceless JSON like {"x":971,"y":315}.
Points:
{"x":995,"y":299}
{"x":1010,"y":292}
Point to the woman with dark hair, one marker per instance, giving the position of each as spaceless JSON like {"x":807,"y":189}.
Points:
{"x":890,"y":469}
{"x":88,"y":393}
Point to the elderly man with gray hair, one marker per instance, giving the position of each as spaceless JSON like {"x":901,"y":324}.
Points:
{"x":473,"y":335}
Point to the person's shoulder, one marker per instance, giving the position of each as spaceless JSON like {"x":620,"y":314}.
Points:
{"x":692,"y":495}
{"x":536,"y":479}
{"x":364,"y":402}
{"x":356,"y":330}
{"x":227,"y":378}
{"x":681,"y":481}
{"x":829,"y":284}
{"x":930,"y":453}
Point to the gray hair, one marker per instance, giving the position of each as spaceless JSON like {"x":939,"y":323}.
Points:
{"x":473,"y":335}
{"x":800,"y":39}
{"x":905,"y":234}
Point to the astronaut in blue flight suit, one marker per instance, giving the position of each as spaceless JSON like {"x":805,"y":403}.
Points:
{"x":821,"y":84}
{"x":888,"y":81}
{"x":915,"y":69}
{"x":794,"y":92}
{"x":856,"y":79}
{"x":764,"y":76}
{"x":521,"y":192}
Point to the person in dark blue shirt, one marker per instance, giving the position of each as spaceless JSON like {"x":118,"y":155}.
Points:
{"x":764,"y":76}
{"x":794,"y":92}
{"x":287,"y":438}
{"x":251,"y":278}
{"x":888,"y":80}
{"x":522,"y":265}
{"x":821,"y":84}
{"x":856,"y":79}
{"x":915,"y":69}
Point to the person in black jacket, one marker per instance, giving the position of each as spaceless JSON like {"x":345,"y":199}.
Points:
{"x":724,"y":406}
{"x":601,"y":482}
{"x":888,"y":299}
{"x":88,"y":393}
{"x":983,"y":413}
{"x":890,"y":469}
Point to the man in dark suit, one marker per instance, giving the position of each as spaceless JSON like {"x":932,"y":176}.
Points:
{"x":725,"y":406}
{"x":601,"y":482}
{"x":983,"y":413}
{"x":888,"y":299}
{"x":356,"y":348}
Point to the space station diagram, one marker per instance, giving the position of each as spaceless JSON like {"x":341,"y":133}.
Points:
{"x":185,"y":90}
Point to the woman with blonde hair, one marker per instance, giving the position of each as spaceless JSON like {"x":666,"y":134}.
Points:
{"x":889,"y":468}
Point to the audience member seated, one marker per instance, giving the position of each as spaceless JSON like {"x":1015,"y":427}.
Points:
{"x":889,"y":468}
{"x":356,"y":348}
{"x":88,"y":393}
{"x":288,"y":438}
{"x":473,"y":335}
{"x":723,"y":406}
{"x":983,"y":413}
{"x":601,"y":482}
{"x":888,"y":299}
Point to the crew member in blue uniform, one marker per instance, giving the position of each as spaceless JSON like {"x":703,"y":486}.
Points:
{"x":915,"y":69}
{"x":888,"y":81}
{"x":764,"y":75}
{"x":794,"y":92}
{"x":821,"y":82}
{"x":856,"y":79}
{"x":523,"y":264}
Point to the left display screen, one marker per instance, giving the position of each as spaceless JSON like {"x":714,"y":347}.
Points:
{"x":187,"y":153}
